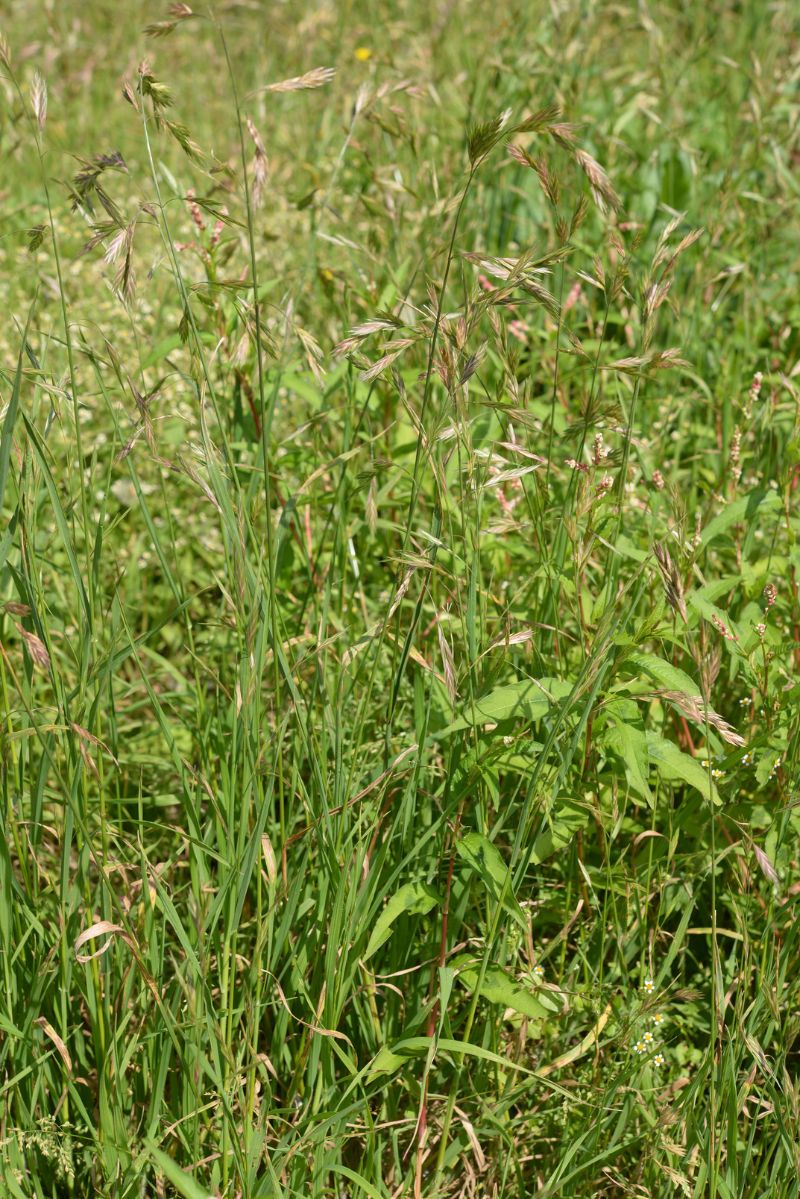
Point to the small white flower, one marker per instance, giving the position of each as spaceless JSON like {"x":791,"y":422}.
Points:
{"x":658,"y":1060}
{"x":649,"y":986}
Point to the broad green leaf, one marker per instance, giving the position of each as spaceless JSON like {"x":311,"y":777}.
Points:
{"x":670,"y":677}
{"x":566,"y":819}
{"x":741,"y":511}
{"x":529,"y":699}
{"x":413,"y":899}
{"x":708,"y":610}
{"x":631,"y":745}
{"x":184,"y":1184}
{"x":499,"y":987}
{"x":358,"y":1180}
{"x":485,"y":859}
{"x":672,"y":763}
{"x":385,"y":1062}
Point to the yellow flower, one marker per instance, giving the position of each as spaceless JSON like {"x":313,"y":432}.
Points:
{"x":363,"y":53}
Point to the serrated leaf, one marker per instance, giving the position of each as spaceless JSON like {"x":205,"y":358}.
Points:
{"x":413,"y":899}
{"x":485,"y":859}
{"x":499,"y":987}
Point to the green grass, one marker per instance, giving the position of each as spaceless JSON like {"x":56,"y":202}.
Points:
{"x":399,"y":624}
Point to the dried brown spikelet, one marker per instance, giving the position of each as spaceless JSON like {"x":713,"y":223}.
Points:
{"x":16,"y":609}
{"x":177,"y":12}
{"x":602,"y":191}
{"x":36,"y":648}
{"x":695,"y":709}
{"x":653,"y":360}
{"x":563,"y":134}
{"x":318,"y":77}
{"x":260,"y":163}
{"x":39,"y":100}
{"x":671,"y":579}
{"x":373,"y":371}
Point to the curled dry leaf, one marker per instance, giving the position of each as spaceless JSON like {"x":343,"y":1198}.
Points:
{"x":61,"y":1048}
{"x":102,"y":928}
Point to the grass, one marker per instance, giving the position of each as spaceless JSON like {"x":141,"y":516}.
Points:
{"x":399,"y":621}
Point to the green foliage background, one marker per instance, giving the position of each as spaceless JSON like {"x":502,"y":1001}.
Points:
{"x":399,"y":624}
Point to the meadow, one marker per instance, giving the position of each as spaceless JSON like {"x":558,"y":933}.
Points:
{"x":399,"y":616}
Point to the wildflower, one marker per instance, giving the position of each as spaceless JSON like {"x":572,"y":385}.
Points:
{"x":770,"y":594}
{"x":747,"y":759}
{"x":605,"y":484}
{"x":648,"y":1037}
{"x":538,"y":973}
{"x":717,"y":774}
{"x":658,"y":480}
{"x":722,"y":628}
{"x":600,"y":450}
{"x":649,"y":986}
{"x":704,"y":763}
{"x":755,"y":386}
{"x":736,"y":447}
{"x":744,"y":702}
{"x":639,"y":1047}
{"x":761,"y":629}
{"x":519,"y":330}
{"x":363,"y":53}
{"x":658,"y":1019}
{"x":658,"y":1060}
